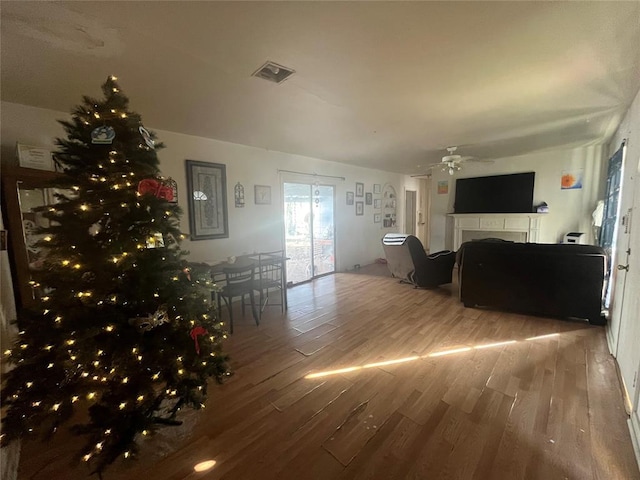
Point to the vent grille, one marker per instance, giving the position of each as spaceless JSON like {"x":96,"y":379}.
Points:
{"x":273,"y":72}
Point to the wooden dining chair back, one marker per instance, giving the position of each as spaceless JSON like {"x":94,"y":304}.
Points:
{"x":239,"y":282}
{"x":271,"y":279}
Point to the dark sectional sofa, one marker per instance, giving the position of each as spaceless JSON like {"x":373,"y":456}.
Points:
{"x":559,"y":280}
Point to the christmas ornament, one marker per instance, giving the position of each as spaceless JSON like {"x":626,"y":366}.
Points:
{"x":187,"y":272}
{"x":103,"y":135}
{"x":95,"y":229}
{"x":195,"y":333}
{"x":156,"y":187}
{"x":155,"y":240}
{"x":147,"y":137}
{"x":144,"y":324}
{"x":173,"y":185}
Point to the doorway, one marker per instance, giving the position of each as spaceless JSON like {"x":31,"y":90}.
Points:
{"x":309,"y":230}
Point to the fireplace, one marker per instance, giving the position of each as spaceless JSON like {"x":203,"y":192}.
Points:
{"x":518,"y":227}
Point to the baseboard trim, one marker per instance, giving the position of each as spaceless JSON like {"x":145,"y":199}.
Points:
{"x":634,"y":431}
{"x":610,"y":342}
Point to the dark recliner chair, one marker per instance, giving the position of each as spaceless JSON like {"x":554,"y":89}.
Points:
{"x":408,"y":261}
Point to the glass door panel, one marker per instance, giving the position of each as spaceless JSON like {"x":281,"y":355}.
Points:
{"x":323,"y":230}
{"x":297,"y":224}
{"x":309,"y":230}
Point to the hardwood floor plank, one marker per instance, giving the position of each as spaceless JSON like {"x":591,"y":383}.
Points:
{"x":375,"y":400}
{"x":609,"y":434}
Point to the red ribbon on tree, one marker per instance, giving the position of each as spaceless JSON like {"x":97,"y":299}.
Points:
{"x":195,"y":333}
{"x":155,"y":187}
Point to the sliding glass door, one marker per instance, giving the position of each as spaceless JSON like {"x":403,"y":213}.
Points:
{"x":309,"y":230}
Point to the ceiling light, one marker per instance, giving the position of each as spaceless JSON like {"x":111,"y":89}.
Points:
{"x":273,"y":72}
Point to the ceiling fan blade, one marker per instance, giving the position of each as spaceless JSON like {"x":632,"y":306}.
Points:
{"x":433,"y":165}
{"x":477,"y":160}
{"x":441,"y":165}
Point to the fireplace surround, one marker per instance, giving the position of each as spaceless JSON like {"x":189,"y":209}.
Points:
{"x":523,"y":227}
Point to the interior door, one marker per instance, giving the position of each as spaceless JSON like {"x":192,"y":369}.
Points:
{"x":309,"y":230}
{"x":410,"y":209}
{"x":626,"y":304}
{"x":423,"y":209}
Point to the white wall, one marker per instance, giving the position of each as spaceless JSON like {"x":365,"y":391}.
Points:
{"x":254,"y":227}
{"x":569,"y":210}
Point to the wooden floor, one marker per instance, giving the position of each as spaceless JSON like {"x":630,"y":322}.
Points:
{"x":541,"y":408}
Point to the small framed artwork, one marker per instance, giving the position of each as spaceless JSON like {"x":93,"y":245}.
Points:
{"x":443,"y":187}
{"x":376,"y":188}
{"x":207,"y":200}
{"x":377,"y":203}
{"x":238,"y":194}
{"x":571,"y":179}
{"x":359,"y":208}
{"x":359,"y":189}
{"x":35,"y":157}
{"x":368,"y":198}
{"x":377,"y":217}
{"x":349,"y":198}
{"x":263,"y":194}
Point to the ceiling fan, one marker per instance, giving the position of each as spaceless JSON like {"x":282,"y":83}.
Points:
{"x":452,"y":162}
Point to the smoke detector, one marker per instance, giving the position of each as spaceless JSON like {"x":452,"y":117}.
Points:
{"x":273,"y":72}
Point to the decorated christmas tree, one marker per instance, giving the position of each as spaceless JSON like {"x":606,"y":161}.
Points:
{"x":124,"y":332}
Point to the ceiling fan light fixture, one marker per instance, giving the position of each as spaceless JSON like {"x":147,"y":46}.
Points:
{"x":451,"y":158}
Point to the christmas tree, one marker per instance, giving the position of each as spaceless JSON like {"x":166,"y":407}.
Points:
{"x":124,"y":328}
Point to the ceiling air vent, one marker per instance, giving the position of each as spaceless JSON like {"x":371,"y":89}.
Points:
{"x":273,"y":72}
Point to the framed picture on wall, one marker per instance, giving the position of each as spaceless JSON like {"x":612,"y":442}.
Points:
{"x":263,"y":194}
{"x":359,"y":208}
{"x":368,"y":198}
{"x":377,"y":203}
{"x":349,"y":198}
{"x":35,"y":157}
{"x":377,"y":217}
{"x":207,"y":199}
{"x":376,"y":188}
{"x":359,"y":189}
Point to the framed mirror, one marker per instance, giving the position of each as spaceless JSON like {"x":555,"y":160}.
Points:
{"x":24,"y":189}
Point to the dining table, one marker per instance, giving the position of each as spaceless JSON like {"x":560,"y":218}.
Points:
{"x":247,"y":260}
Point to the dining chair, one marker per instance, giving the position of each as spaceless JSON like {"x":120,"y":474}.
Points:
{"x":239,"y":282}
{"x":271,"y":279}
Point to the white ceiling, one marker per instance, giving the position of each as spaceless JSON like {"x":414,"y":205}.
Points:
{"x":379,"y":84}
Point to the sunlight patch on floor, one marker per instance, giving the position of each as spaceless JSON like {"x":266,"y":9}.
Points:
{"x":440,"y":353}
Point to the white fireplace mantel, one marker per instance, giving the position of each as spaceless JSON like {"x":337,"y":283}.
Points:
{"x":496,"y":225}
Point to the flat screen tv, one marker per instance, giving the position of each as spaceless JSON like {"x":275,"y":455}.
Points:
{"x":496,"y":194}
